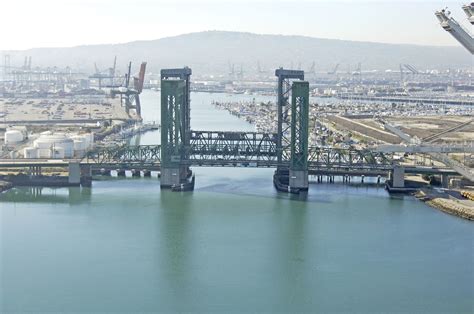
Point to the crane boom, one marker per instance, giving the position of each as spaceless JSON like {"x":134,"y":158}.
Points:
{"x":141,"y":78}
{"x":456,"y":30}
{"x":469,"y":10}
{"x":335,"y":69}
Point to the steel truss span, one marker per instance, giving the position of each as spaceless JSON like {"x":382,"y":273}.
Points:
{"x":232,"y":146}
{"x":238,"y":149}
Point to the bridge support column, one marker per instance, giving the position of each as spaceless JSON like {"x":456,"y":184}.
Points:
{"x":86,"y":176}
{"x":172,"y":176}
{"x":105,"y":172}
{"x":136,"y":173}
{"x":299,"y":179}
{"x":398,"y":177}
{"x":120,"y":173}
{"x":445,"y":181}
{"x":74,"y":173}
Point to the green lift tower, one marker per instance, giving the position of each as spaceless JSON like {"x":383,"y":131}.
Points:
{"x":292,"y":136}
{"x":175,"y":127}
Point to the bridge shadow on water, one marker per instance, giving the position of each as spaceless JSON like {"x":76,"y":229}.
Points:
{"x":48,"y":195}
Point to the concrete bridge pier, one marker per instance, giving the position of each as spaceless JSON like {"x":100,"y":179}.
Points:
{"x":173,"y":176}
{"x":120,"y":173}
{"x":74,"y":173}
{"x":136,"y":173}
{"x":105,"y":172}
{"x":79,"y":174}
{"x":86,"y":176}
{"x":146,"y":173}
{"x":445,"y":181}
{"x":397,"y":177}
{"x":299,"y":179}
{"x":34,"y":171}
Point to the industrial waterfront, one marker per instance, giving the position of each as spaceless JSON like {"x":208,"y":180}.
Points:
{"x":123,"y":246}
{"x":234,"y":172}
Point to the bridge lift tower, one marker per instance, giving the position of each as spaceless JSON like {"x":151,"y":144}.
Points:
{"x":175,"y":126}
{"x":292,"y":137}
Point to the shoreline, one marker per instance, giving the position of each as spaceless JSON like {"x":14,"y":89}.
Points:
{"x":460,"y":208}
{"x":452,"y":207}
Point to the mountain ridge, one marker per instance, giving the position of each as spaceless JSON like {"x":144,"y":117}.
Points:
{"x":213,"y":51}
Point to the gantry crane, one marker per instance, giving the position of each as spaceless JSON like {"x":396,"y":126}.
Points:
{"x":334,"y":71}
{"x":455,"y":29}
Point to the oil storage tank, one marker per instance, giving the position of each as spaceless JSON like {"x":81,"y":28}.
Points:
{"x":80,"y":145}
{"x":30,"y":153}
{"x":13,"y":137}
{"x":52,"y":142}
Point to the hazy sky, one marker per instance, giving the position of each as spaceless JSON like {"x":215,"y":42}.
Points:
{"x":40,"y":23}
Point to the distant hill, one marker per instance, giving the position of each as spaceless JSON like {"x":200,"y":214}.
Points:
{"x":212,"y":51}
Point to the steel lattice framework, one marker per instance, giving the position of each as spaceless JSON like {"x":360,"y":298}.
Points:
{"x":299,"y":126}
{"x":142,"y":155}
{"x":183,"y":74}
{"x":331,"y":158}
{"x":173,"y":128}
{"x":213,"y":146}
{"x":285,"y":79}
{"x":222,"y":149}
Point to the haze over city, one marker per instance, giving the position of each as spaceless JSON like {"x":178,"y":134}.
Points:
{"x":56,"y":23}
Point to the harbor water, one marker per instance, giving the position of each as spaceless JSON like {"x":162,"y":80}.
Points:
{"x":232,"y":245}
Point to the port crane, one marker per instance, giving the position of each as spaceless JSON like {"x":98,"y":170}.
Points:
{"x":240,"y":74}
{"x":411,"y":68}
{"x":131,"y":95}
{"x":107,"y":75}
{"x":231,"y":69}
{"x":455,"y":29}
{"x":260,"y":69}
{"x":469,"y":10}
{"x":334,"y":71}
{"x":312,"y":69}
{"x":358,"y":71}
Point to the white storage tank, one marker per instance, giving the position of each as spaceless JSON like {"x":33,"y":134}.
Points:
{"x":57,"y":152}
{"x":89,"y":139}
{"x":79,"y":143}
{"x":44,"y":152}
{"x":55,"y":141}
{"x":30,"y":152}
{"x":13,"y":137}
{"x":80,"y":146}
